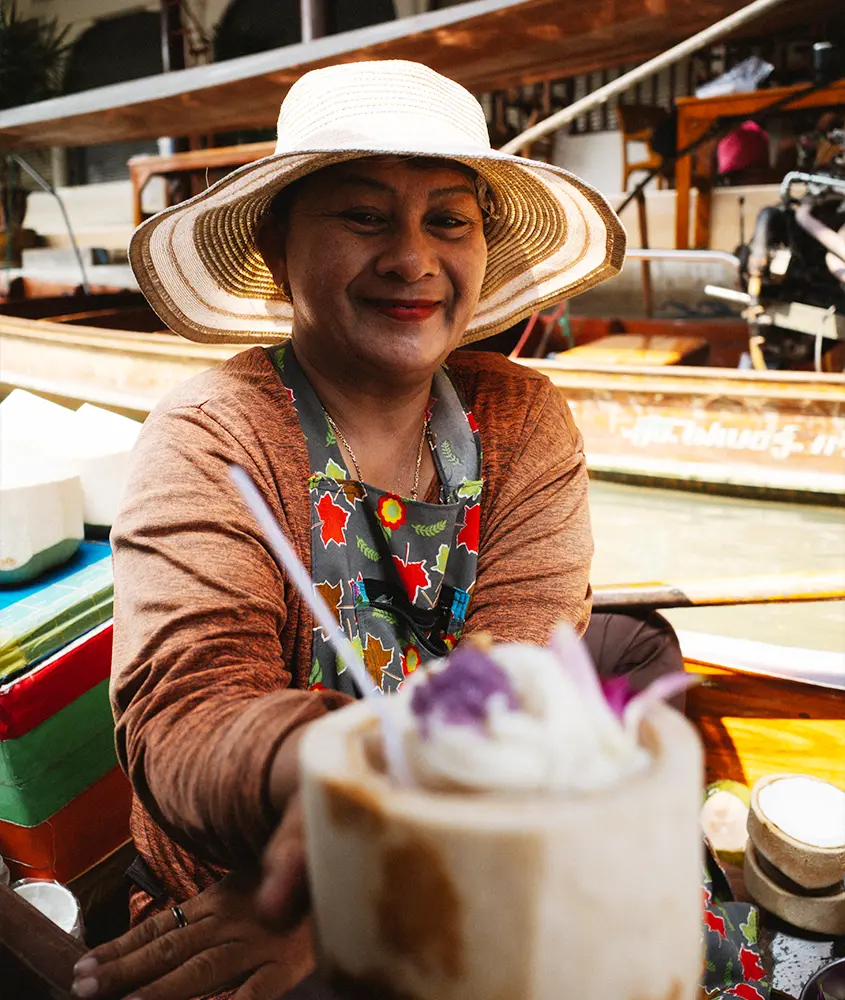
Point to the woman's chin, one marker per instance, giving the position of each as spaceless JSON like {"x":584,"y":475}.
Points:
{"x":411,"y":349}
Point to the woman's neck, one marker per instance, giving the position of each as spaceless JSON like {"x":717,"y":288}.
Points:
{"x":382,"y":425}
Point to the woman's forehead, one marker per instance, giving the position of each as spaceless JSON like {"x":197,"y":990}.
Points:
{"x":391,"y":171}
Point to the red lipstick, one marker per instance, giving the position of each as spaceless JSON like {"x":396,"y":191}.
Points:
{"x":406,"y":310}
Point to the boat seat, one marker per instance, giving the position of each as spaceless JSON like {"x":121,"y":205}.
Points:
{"x":638,"y":349}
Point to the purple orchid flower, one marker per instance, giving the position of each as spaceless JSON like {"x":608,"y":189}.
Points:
{"x":460,"y":693}
{"x":617,"y":693}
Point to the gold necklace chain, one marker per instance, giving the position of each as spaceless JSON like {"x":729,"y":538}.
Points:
{"x":348,"y":447}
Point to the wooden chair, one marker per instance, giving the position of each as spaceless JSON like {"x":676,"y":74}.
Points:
{"x":637,"y":123}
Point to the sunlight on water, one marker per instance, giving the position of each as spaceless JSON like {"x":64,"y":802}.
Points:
{"x":646,"y":534}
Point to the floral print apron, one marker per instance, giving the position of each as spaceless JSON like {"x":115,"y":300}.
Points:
{"x":397,"y":574}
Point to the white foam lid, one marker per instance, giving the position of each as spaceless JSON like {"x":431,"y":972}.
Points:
{"x":807,"y":809}
{"x":53,"y":900}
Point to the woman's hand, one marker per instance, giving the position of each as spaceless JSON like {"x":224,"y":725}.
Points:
{"x":283,"y":894}
{"x":225,"y":942}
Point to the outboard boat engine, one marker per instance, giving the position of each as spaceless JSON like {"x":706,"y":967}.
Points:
{"x":794,"y":266}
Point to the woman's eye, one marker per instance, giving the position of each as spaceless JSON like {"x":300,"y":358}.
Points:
{"x":360,"y":218}
{"x":454,"y":223}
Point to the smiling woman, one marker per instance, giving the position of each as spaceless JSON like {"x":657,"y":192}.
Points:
{"x":383,"y":234}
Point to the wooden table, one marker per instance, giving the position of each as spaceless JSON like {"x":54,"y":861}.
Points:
{"x":143,"y":168}
{"x":696,"y":115}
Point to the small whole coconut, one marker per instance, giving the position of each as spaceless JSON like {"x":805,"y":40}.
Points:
{"x":724,"y":819}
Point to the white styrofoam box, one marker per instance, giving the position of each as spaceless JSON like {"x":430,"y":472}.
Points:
{"x":90,"y":442}
{"x":41,"y":509}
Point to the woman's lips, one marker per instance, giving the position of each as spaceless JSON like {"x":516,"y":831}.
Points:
{"x":405,"y":311}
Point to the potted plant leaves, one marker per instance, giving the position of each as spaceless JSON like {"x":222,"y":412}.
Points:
{"x":32,"y":53}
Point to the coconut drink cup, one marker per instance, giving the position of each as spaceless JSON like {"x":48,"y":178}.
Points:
{"x":448,"y":893}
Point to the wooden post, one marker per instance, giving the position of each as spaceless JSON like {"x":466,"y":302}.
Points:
{"x":645,"y":265}
{"x":312,"y":15}
{"x":172,"y":36}
{"x":683,"y":182}
{"x":689,"y":130}
{"x":703,"y":202}
{"x":173,"y":58}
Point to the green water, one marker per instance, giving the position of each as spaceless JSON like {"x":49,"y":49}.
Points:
{"x":646,"y":534}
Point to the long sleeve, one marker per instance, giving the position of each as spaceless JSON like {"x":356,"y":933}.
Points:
{"x":200,"y":686}
{"x":536,"y":543}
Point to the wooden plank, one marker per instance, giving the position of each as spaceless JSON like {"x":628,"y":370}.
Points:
{"x":486,"y":45}
{"x":199,"y":159}
{"x":638,"y":349}
{"x":753,"y":727}
{"x":788,"y":588}
{"x":38,"y":945}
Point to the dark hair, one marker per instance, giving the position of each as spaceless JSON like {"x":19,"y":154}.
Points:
{"x":280,"y":204}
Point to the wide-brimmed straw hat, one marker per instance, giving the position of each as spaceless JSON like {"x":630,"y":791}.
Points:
{"x":551,"y":235}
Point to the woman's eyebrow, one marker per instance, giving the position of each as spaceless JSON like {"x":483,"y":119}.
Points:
{"x":353,"y":180}
{"x":455,"y":189}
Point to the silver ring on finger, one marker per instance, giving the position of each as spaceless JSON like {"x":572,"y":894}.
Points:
{"x":179,"y":914}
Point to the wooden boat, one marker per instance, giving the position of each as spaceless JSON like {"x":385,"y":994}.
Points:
{"x":692,"y":424}
{"x":766,"y":434}
{"x":663,"y":403}
{"x":753,"y":726}
{"x":108,"y":350}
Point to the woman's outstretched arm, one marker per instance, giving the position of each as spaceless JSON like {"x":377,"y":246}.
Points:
{"x":201,"y":676}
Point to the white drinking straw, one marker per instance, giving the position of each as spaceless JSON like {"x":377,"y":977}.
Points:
{"x":283,"y":551}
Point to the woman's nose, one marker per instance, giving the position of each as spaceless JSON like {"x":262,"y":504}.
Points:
{"x":409,"y":254}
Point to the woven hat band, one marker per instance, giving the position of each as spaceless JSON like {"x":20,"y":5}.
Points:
{"x":346,"y":107}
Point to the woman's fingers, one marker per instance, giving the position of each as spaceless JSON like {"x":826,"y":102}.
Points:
{"x":99,"y":976}
{"x":138,"y":937}
{"x":283,"y":897}
{"x":201,"y":973}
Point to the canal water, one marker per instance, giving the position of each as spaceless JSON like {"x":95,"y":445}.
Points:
{"x":646,"y":534}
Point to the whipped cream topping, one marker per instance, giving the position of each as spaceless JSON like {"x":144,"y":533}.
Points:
{"x":514,"y":718}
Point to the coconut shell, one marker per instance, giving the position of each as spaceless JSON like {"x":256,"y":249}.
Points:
{"x":819,"y":914}
{"x":809,"y":866}
{"x":724,"y":819}
{"x":467,"y":896}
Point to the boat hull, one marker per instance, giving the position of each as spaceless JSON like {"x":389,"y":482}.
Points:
{"x":753,"y":726}
{"x":767,"y":434}
{"x":123,"y":370}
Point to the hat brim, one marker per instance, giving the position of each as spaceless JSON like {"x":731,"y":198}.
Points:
{"x":553,"y":237}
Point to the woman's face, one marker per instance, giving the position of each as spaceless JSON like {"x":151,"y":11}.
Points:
{"x":384,"y":259}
